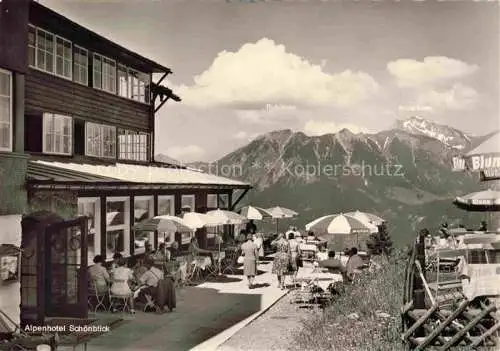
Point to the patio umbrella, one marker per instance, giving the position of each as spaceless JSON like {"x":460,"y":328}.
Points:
{"x":221,"y":217}
{"x":164,"y":224}
{"x":338,"y":224}
{"x":198,"y":220}
{"x":225,"y":217}
{"x":484,"y":158}
{"x":255,"y":213}
{"x":280,"y":212}
{"x":369,"y":219}
{"x":481,"y":201}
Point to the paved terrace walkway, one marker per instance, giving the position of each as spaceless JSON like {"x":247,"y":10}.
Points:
{"x":205,"y":317}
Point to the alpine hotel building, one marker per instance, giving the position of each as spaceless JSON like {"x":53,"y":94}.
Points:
{"x":77,"y":124}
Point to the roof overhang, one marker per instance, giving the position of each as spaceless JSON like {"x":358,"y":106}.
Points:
{"x":44,"y":175}
{"x":110,"y":186}
{"x":51,"y":20}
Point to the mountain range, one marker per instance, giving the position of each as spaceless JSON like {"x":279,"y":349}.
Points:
{"x":403,"y":174}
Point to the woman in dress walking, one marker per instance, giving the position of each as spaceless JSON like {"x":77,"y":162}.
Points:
{"x":250,"y":257}
{"x":295,"y":256}
{"x":281,"y":259}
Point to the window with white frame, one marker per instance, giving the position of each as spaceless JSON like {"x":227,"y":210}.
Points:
{"x":143,"y":209}
{"x":100,"y":140}
{"x":57,"y":134}
{"x":132,"y":145}
{"x":104,"y":73}
{"x":49,"y":53}
{"x":32,"y":46}
{"x":91,"y":208}
{"x":211,"y":201}
{"x":223,"y":202}
{"x":80,"y":65}
{"x":188,"y":202}
{"x":166,"y":205}
{"x":5,"y":110}
{"x":138,"y":84}
{"x":97,"y":72}
{"x":64,"y":58}
{"x":117,"y":226}
{"x":44,"y":50}
{"x":123,"y":89}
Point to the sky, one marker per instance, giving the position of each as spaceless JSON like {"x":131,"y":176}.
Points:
{"x":244,"y":69}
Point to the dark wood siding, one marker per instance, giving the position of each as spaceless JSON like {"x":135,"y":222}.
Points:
{"x":14,"y":35}
{"x":47,"y":93}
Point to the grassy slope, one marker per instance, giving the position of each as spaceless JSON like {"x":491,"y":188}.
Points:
{"x":381,"y":291}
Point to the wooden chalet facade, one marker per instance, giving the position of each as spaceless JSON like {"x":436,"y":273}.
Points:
{"x":79,"y":112}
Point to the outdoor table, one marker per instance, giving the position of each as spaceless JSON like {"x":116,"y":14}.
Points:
{"x":309,"y":251}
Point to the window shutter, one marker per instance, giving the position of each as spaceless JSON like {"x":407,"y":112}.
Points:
{"x":79,"y":137}
{"x":33,"y":133}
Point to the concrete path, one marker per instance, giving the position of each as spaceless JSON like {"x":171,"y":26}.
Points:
{"x":205,"y":317}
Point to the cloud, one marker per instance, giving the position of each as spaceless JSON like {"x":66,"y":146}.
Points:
{"x":186,"y":153}
{"x":316,"y":128}
{"x":458,"y":97}
{"x":264,"y":73}
{"x":432,"y":70}
{"x":271,"y":114}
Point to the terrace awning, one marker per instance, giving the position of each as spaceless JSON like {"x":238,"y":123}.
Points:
{"x":72,"y":175}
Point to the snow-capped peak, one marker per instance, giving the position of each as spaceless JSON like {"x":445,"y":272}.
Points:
{"x":449,"y":136}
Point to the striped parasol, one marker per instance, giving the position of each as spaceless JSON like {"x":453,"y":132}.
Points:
{"x":481,"y":201}
{"x":337,"y":227}
{"x":278,"y":213}
{"x":366,"y":218}
{"x":255,"y":213}
{"x":338,"y":224}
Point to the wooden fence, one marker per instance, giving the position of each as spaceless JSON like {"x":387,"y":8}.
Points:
{"x":446,"y":318}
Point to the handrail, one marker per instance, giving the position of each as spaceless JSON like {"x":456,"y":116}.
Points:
{"x":426,"y":286}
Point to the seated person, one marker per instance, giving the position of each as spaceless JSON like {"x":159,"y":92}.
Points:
{"x":195,"y":250}
{"x":122,"y":276}
{"x":322,"y":254}
{"x":331,"y":263}
{"x":99,"y":275}
{"x":354,"y":264}
{"x":116,"y":257}
{"x":150,"y":279}
{"x":173,"y":250}
{"x":138,"y":268}
{"x":160,"y":256}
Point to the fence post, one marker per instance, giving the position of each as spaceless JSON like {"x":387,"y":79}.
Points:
{"x":418,"y":284}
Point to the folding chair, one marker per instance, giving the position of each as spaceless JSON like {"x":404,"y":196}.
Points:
{"x":118,"y":302}
{"x":150,"y":303}
{"x":95,"y":296}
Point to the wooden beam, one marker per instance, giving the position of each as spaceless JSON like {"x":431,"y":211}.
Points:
{"x":239,"y":199}
{"x":487,"y":334}
{"x":458,"y":336}
{"x":162,"y":102}
{"x":419,"y":322}
{"x":435,"y":333}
